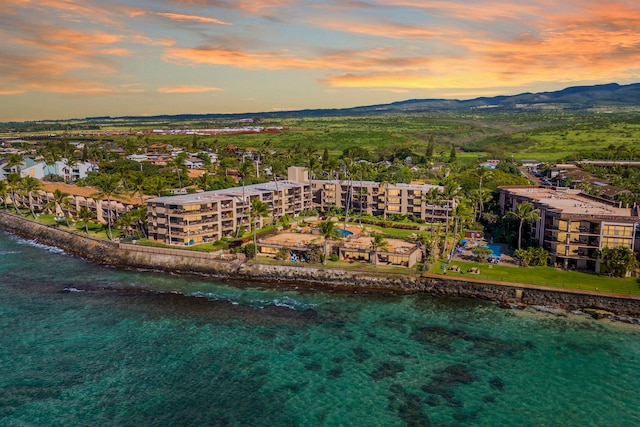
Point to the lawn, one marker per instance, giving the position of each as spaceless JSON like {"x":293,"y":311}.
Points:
{"x":542,"y":276}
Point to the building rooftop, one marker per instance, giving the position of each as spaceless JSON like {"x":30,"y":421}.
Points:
{"x":570,"y":201}
{"x":227,"y":193}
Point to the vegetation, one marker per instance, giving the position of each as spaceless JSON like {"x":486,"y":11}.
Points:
{"x":443,"y":149}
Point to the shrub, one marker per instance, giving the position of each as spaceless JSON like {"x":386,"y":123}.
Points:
{"x":249,"y":250}
{"x":532,"y":257}
{"x":283,"y":254}
{"x":334,"y":257}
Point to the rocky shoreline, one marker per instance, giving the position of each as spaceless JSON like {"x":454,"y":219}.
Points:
{"x":615,"y":307}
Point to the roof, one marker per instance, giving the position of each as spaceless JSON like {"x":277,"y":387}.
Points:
{"x":569,"y":201}
{"x":86,"y":192}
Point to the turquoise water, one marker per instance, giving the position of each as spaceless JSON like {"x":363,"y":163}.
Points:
{"x":344,"y":233}
{"x":83,"y":345}
{"x":495,"y":249}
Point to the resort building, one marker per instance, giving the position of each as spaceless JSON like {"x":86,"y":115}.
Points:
{"x":375,"y":198}
{"x":574,"y":226}
{"x":209,"y":216}
{"x":78,"y":197}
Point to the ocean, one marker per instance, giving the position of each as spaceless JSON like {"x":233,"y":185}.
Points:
{"x":86,"y":345}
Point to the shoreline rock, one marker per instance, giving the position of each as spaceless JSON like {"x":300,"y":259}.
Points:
{"x":514,"y":296}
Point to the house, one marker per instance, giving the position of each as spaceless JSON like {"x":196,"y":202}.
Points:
{"x":193,"y":162}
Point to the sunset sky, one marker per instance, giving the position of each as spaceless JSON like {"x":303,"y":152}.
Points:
{"x":66,"y":58}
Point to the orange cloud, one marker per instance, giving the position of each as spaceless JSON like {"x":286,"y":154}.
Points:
{"x":341,"y":60}
{"x":246,"y":5}
{"x":187,"y":89}
{"x":194,"y":18}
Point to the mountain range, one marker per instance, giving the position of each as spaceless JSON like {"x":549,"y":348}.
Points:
{"x":602,"y":97}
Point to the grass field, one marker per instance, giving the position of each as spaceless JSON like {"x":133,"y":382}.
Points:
{"x":542,"y":276}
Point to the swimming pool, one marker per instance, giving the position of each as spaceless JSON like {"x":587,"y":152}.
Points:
{"x":344,"y":233}
{"x":495,"y":249}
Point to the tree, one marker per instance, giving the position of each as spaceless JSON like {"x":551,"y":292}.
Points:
{"x":85,"y":215}
{"x":481,"y":252}
{"x":28,"y":186}
{"x":13,"y":183}
{"x":617,"y":261}
{"x":482,"y":173}
{"x":432,"y":198}
{"x":156,"y":185}
{"x":108,"y":187}
{"x":452,"y":154}
{"x":4,"y":194}
{"x":426,"y":244}
{"x":378,"y":243}
{"x":462,"y":213}
{"x":59,"y":204}
{"x":532,"y":257}
{"x":450,"y":195}
{"x":328,"y":230}
{"x":525,"y":212}
{"x":259,"y":209}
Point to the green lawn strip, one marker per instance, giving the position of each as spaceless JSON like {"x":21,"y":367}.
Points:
{"x":542,"y":276}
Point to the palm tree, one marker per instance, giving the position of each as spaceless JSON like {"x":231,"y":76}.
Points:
{"x":29,"y":185}
{"x":156,"y":185}
{"x":329,"y":231}
{"x":58,"y":204}
{"x":525,"y":212}
{"x":13,"y":184}
{"x":461,"y":213}
{"x":426,"y":244}
{"x":4,"y":194}
{"x":433,"y":197}
{"x":482,"y":173}
{"x":450,"y":195}
{"x":378,"y":243}
{"x":259,"y":209}
{"x":85,"y":215}
{"x":108,"y":187}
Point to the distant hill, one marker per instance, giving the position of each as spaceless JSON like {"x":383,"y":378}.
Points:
{"x":607,"y":96}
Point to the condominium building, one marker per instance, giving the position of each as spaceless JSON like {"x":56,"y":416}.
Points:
{"x":574,"y":226}
{"x":375,"y":198}
{"x":77,"y":198}
{"x":212,"y":215}
{"x":209,"y":216}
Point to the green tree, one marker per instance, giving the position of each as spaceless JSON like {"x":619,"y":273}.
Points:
{"x":28,"y":186}
{"x":108,"y":187}
{"x":13,"y":183}
{"x":4,"y":194}
{"x":426,"y":244}
{"x":525,"y":212}
{"x":85,"y":215}
{"x":482,"y":173}
{"x":59,"y":204}
{"x":328,"y":230}
{"x":259,"y":209}
{"x":450,"y":195}
{"x":432,"y":198}
{"x":378,"y":243}
{"x":617,"y":261}
{"x":481,"y":252}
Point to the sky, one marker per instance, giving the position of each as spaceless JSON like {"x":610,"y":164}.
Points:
{"x":62,"y":59}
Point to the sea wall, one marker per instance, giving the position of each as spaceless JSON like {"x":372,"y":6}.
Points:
{"x":189,"y":262}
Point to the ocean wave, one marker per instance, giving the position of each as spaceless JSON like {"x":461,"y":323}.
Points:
{"x":72,"y":290}
{"x":258,"y":303}
{"x":9,"y":252}
{"x":34,"y":243}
